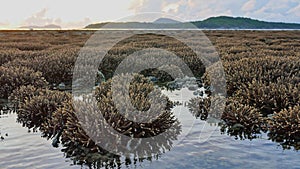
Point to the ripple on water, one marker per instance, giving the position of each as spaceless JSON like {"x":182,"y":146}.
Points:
{"x":21,"y":149}
{"x":223,"y":151}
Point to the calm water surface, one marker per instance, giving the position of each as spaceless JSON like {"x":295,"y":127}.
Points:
{"x":21,"y":149}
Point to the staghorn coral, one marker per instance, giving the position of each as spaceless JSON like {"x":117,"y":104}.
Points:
{"x":8,"y":54}
{"x":203,"y":108}
{"x":271,"y":59}
{"x":34,"y":112}
{"x":199,"y":107}
{"x":65,"y":127}
{"x":242,"y":121}
{"x":284,"y":127}
{"x":138,"y":93}
{"x":269,"y":97}
{"x":78,"y":126}
{"x":128,"y":46}
{"x":13,"y":77}
{"x":46,"y":109}
{"x":55,"y":66}
{"x":266,"y":70}
{"x":237,"y":119}
{"x":259,"y":66}
{"x":23,"y":93}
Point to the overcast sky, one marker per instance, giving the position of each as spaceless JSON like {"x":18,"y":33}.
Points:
{"x":77,"y":14}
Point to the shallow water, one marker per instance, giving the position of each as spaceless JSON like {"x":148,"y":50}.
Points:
{"x":21,"y":149}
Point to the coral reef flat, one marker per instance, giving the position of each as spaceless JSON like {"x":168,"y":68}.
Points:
{"x":255,"y":123}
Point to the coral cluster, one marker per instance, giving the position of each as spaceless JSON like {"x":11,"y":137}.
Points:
{"x":76,"y":128}
{"x":284,"y":127}
{"x":261,"y":70}
{"x":242,"y":121}
{"x":262,"y":77}
{"x":12,"y":78}
{"x":204,"y":108}
{"x":34,"y":111}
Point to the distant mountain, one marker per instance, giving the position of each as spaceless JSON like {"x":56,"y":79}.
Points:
{"x":50,"y":26}
{"x":226,"y":22}
{"x":220,"y":22}
{"x":159,"y":23}
{"x":165,"y":21}
{"x":137,"y":25}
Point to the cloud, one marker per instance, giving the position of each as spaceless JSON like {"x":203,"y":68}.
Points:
{"x":281,"y":10}
{"x":78,"y":24}
{"x":40,"y":19}
{"x":4,"y":24}
{"x":171,"y":8}
{"x":295,"y":11}
{"x":81,"y":13}
{"x":187,"y":9}
{"x":139,"y":6}
{"x":285,"y":11}
{"x":136,"y":5}
{"x":198,"y":10}
{"x":248,"y":6}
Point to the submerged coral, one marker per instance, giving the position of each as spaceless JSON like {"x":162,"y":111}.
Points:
{"x":269,"y":97}
{"x":284,"y":127}
{"x":236,"y":119}
{"x":35,"y":111}
{"x":262,"y":77}
{"x":242,"y":121}
{"x":204,"y":108}
{"x":77,"y":125}
{"x":122,"y":117}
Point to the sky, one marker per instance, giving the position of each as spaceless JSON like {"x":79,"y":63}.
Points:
{"x":77,"y":14}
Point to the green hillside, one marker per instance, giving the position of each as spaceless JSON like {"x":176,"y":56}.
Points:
{"x":225,"y":22}
{"x":220,"y":22}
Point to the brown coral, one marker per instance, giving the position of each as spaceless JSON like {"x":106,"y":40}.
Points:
{"x":242,"y":121}
{"x":35,"y":111}
{"x":284,"y":127}
{"x":13,"y":77}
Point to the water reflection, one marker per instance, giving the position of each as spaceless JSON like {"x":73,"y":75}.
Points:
{"x":83,"y":150}
{"x":76,"y":125}
{"x":238,"y":120}
{"x":246,"y":122}
{"x":5,"y":106}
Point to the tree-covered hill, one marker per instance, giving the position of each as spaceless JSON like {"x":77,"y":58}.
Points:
{"x":220,"y":22}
